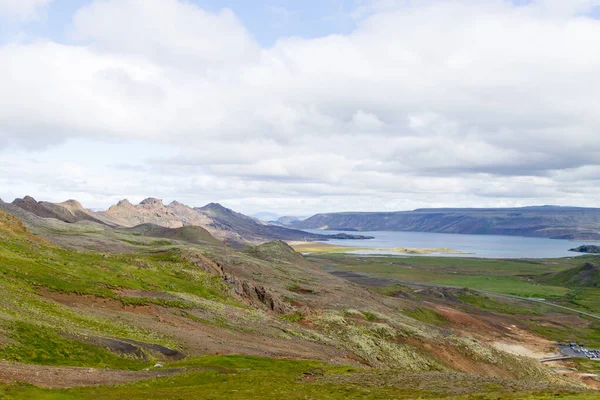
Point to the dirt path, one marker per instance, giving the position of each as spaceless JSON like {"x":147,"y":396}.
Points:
{"x":67,"y":377}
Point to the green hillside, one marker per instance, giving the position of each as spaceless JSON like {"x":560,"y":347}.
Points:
{"x":158,"y":324}
{"x":190,"y":234}
{"x":586,"y":275}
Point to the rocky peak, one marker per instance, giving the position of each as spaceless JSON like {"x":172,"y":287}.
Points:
{"x":151,"y":201}
{"x":72,"y":204}
{"x":26,"y":199}
{"x":214,"y":207}
{"x":124,"y":203}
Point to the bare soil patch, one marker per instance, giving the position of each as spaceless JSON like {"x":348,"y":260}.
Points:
{"x":66,"y":377}
{"x":76,"y":300}
{"x":197,"y":338}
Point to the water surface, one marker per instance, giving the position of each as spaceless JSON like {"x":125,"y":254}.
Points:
{"x":485,"y":246}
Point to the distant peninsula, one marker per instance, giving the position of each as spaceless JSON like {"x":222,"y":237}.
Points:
{"x":588,"y":248}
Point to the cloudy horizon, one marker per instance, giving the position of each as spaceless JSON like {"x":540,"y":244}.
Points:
{"x":297,"y":108}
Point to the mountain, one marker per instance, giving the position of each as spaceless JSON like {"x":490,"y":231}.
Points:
{"x":153,"y":211}
{"x":249,"y":228}
{"x":286,"y":220}
{"x":587,"y":275}
{"x":70,"y":211}
{"x":221,"y":223}
{"x":265,"y":216}
{"x":546,"y":221}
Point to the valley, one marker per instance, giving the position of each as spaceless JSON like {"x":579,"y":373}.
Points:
{"x":303,"y":200}
{"x":172,"y":311}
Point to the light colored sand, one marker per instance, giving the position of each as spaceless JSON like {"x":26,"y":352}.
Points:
{"x":520,"y":350}
{"x":320,"y":247}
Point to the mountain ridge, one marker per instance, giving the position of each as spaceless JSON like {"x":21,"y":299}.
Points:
{"x":537,"y":221}
{"x":224,"y":224}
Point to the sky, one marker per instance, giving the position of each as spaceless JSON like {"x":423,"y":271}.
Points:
{"x":299,"y":107}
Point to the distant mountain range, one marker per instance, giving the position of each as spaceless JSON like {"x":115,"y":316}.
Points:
{"x":540,"y":221}
{"x":221,"y":223}
{"x":240,"y":230}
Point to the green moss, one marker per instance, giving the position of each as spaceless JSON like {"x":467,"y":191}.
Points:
{"x":294,"y":317}
{"x":505,"y":307}
{"x":40,"y":345}
{"x":426,"y":315}
{"x":369,"y":316}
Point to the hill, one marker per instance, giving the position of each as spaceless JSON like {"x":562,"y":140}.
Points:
{"x":70,"y":211}
{"x":226,"y":225}
{"x":276,"y":251}
{"x":590,"y":249}
{"x":549,"y":221}
{"x":190,"y":234}
{"x":118,"y":314}
{"x":251,"y":229}
{"x":587,"y":275}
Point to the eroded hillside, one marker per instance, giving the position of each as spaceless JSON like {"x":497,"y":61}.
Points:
{"x":177,"y":302}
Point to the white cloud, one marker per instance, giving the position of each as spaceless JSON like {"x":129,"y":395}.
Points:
{"x":166,"y":31}
{"x":446,"y":103}
{"x":22,"y":9}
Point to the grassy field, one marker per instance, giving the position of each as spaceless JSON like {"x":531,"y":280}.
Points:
{"x":237,"y":377}
{"x":499,"y":276}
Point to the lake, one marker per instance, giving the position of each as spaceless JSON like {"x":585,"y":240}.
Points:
{"x":484,"y":246}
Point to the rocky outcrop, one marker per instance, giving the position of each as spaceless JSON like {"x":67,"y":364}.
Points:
{"x":249,"y":292}
{"x":588,"y":248}
{"x":258,"y":295}
{"x":149,"y":211}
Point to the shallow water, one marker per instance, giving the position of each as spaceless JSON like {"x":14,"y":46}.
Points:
{"x":485,"y":246}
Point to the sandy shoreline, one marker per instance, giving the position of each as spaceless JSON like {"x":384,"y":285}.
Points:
{"x":320,"y":247}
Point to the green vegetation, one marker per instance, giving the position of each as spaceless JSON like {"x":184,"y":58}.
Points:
{"x":504,"y":307}
{"x":33,"y":344}
{"x":189,"y":234}
{"x":294,"y":317}
{"x":258,"y":378}
{"x":525,"y":278}
{"x":369,"y":316}
{"x":586,"y":299}
{"x":566,"y":332}
{"x":553,"y":280}
{"x":426,"y":315}
{"x":34,"y":329}
{"x":275,"y":251}
{"x":64,"y":307}
{"x":35,"y":263}
{"x":586,"y":275}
